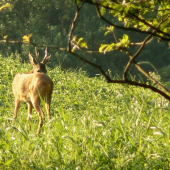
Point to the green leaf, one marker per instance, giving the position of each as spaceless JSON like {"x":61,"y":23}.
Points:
{"x":126,"y":37}
{"x":112,"y":28}
{"x":118,"y":7}
{"x":80,"y":39}
{"x":109,"y":48}
{"x":27,"y":38}
{"x":79,"y":2}
{"x":103,"y":46}
{"x":103,"y":10}
{"x":107,"y":32}
{"x":5,"y":6}
{"x":82,"y":43}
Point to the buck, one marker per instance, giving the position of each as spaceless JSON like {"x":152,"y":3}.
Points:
{"x":32,"y":87}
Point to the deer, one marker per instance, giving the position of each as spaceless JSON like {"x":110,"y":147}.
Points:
{"x":32,"y":87}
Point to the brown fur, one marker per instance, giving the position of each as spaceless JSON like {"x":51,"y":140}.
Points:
{"x":31,"y":87}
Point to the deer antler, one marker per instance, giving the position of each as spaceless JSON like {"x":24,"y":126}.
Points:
{"x":46,"y":57}
{"x":37,"y":54}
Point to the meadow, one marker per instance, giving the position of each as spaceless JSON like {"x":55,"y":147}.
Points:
{"x":94,"y":125}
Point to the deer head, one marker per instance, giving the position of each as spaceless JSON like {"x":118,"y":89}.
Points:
{"x":39,"y":66}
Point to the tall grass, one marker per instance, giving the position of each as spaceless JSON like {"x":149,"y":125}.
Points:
{"x":94,"y":125}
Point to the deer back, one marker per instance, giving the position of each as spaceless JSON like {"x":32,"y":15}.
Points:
{"x":28,"y":86}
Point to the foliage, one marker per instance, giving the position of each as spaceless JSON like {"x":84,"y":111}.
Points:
{"x":4,"y":6}
{"x":94,"y":125}
{"x":49,"y":23}
{"x":147,"y":18}
{"x":124,"y":43}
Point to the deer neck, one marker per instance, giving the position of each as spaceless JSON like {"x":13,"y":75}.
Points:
{"x":30,"y":72}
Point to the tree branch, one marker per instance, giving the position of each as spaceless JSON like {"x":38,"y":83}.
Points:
{"x":97,"y":4}
{"x":92,"y":64}
{"x":132,"y":58}
{"x":134,"y":83}
{"x":130,"y":29}
{"x":73,"y":24}
{"x":147,"y":75}
{"x":109,"y":80}
{"x":136,"y":17}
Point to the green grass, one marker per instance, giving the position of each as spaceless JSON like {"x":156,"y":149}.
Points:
{"x":95,"y":125}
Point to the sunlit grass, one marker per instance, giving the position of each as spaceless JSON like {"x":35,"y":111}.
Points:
{"x":94,"y":125}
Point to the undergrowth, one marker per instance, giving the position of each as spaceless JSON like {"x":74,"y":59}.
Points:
{"x":94,"y":125}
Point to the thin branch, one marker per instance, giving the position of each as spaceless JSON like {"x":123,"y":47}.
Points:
{"x":88,"y":62}
{"x":125,"y":28}
{"x":138,"y":18}
{"x":151,"y":26}
{"x":92,"y":64}
{"x":73,"y":24}
{"x":130,"y":29}
{"x":132,"y":58}
{"x":147,"y":75}
{"x":132,"y":14}
{"x":44,"y":45}
{"x":134,"y":83}
{"x":33,"y":44}
{"x":109,"y":80}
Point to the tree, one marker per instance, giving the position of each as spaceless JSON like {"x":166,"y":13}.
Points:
{"x":150,"y":18}
{"x":145,"y":20}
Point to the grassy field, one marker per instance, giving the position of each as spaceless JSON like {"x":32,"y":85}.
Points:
{"x":95,"y":125}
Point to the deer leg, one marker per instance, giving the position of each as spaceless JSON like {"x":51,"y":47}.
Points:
{"x":29,"y":113}
{"x":43,"y":115}
{"x":38,"y":109}
{"x":36,"y":104}
{"x":47,"y":106}
{"x":17,"y":106}
{"x":29,"y":110}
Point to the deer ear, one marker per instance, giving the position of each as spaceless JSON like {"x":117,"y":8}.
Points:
{"x":33,"y":60}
